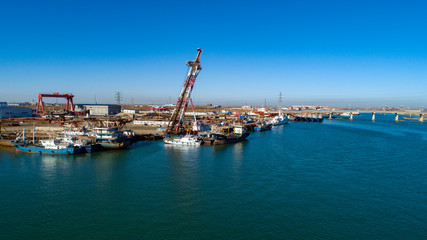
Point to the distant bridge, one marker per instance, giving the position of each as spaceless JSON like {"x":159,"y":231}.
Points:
{"x":329,"y":113}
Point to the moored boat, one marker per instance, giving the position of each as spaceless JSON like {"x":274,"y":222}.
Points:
{"x":187,"y":140}
{"x":239,"y":134}
{"x":112,"y":137}
{"x":45,"y":146}
{"x":263,"y":126}
{"x":280,"y":120}
{"x":112,"y":143}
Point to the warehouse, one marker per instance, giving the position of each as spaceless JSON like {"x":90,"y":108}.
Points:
{"x":100,"y":109}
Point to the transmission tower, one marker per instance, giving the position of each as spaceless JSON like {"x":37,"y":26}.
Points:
{"x":119,"y":97}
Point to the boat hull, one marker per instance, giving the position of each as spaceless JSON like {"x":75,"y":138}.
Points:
{"x":263,"y":128}
{"x":178,"y":141}
{"x":281,"y":123}
{"x":221,"y":140}
{"x":42,"y":150}
{"x":92,"y":148}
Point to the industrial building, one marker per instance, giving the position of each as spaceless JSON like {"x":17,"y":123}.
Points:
{"x":14,"y":112}
{"x":99,"y":109}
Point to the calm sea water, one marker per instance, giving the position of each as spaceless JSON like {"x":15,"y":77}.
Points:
{"x":339,"y":179}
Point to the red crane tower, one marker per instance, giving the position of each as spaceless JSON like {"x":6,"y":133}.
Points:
{"x":69,"y":96}
{"x":184,"y":97}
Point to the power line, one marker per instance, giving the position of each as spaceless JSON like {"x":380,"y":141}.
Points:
{"x":118,"y":97}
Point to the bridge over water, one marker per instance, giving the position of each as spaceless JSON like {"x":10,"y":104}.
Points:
{"x":351,"y":113}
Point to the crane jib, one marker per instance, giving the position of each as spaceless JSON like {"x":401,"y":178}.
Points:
{"x":184,"y":97}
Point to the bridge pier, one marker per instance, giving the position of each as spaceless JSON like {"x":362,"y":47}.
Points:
{"x":351,"y":116}
{"x":396,"y":117}
{"x":373,"y":116}
{"x":421,"y":117}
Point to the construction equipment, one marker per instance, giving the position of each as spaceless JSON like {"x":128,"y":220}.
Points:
{"x":68,"y":107}
{"x":177,"y":117}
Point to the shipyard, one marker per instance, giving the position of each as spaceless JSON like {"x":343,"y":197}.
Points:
{"x":220,"y":120}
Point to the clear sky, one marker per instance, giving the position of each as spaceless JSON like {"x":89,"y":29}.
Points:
{"x":340,"y":53}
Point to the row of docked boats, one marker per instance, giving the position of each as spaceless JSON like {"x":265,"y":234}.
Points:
{"x":278,"y":120}
{"x":75,"y":141}
{"x":309,"y":118}
{"x":229,"y":133}
{"x":237,"y":134}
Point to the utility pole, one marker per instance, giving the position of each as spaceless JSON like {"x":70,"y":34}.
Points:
{"x":118,"y":97}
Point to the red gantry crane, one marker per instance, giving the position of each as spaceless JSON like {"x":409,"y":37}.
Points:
{"x":177,"y":117}
{"x":69,"y":106}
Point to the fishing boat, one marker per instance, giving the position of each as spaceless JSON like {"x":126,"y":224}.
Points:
{"x":280,"y":120}
{"x":263,"y":126}
{"x":86,"y":145}
{"x":111,"y":138}
{"x":239,"y":134}
{"x":113,"y":143}
{"x":45,"y":146}
{"x":186,"y":140}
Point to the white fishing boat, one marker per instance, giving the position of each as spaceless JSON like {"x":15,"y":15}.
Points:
{"x":279,"y":120}
{"x":187,"y":140}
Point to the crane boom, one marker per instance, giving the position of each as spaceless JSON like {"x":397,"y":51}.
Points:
{"x":177,"y":117}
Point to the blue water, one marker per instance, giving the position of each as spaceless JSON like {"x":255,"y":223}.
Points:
{"x":339,"y":179}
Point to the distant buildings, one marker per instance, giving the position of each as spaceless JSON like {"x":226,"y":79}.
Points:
{"x":14,"y":112}
{"x":300,"y":108}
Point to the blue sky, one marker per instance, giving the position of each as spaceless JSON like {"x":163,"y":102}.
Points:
{"x":340,"y":53}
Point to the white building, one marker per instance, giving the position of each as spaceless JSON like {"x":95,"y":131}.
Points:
{"x":133,"y":111}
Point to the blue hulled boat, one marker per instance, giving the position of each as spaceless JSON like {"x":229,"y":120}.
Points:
{"x":263,"y":126}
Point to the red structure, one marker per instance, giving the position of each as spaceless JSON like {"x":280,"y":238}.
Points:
{"x":184,"y":98}
{"x":69,"y":106}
